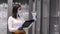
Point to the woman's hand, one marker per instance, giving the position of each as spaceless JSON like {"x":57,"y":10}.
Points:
{"x":34,"y":16}
{"x":20,"y":28}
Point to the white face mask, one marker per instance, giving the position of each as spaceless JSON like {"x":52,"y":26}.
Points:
{"x":19,"y":12}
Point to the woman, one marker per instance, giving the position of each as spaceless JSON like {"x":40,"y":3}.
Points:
{"x":15,"y":22}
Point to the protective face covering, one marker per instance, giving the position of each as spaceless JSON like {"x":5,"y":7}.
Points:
{"x":19,"y":12}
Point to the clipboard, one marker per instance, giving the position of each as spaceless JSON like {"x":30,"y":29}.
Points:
{"x":27,"y":23}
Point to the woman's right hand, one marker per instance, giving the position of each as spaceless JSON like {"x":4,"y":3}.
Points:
{"x":20,"y":28}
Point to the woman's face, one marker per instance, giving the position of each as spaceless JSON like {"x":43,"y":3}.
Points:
{"x":19,"y":10}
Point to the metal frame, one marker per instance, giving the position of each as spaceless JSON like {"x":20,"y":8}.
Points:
{"x":38,"y":11}
{"x":9,"y":12}
{"x":54,"y":17}
{"x":45,"y":16}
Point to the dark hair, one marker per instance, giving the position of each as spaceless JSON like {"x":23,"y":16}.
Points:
{"x":15,"y":10}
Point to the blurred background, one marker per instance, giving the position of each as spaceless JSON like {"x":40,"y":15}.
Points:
{"x":47,"y":14}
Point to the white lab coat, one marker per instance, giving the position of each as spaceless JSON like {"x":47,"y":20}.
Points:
{"x":14,"y":24}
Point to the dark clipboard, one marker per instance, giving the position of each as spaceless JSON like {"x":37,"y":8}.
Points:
{"x":27,"y":23}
